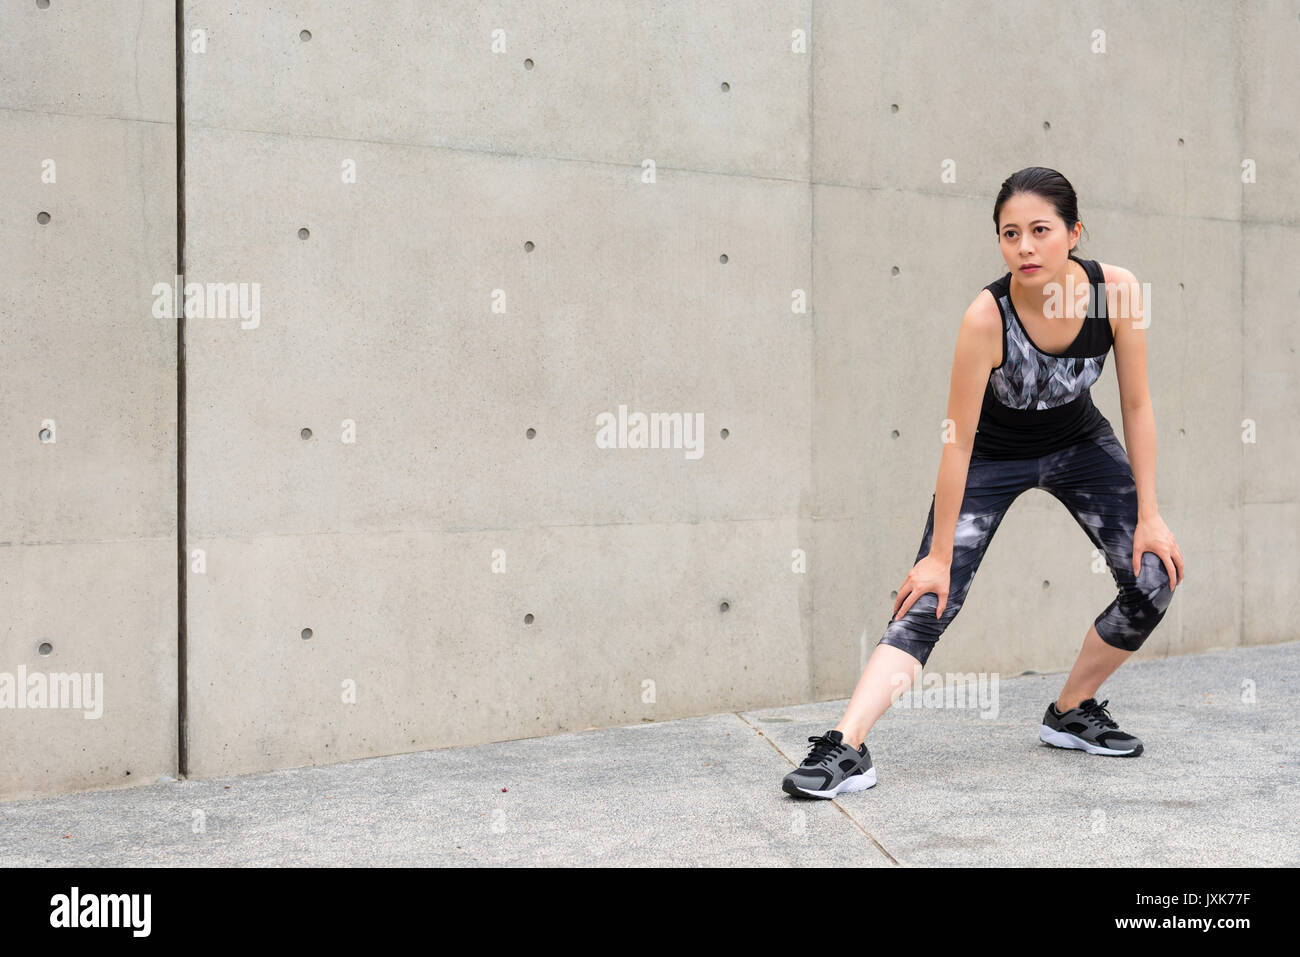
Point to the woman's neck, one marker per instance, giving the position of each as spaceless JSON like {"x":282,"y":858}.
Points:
{"x":1061,"y":297}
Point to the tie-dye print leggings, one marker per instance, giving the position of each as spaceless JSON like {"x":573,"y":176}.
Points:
{"x":1094,"y":480}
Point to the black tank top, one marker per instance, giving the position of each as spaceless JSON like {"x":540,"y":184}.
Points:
{"x":1038,"y":402}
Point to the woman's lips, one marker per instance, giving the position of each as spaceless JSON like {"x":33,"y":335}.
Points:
{"x":1029,"y":268}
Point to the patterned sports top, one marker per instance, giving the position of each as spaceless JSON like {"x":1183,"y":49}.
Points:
{"x":1038,"y":402}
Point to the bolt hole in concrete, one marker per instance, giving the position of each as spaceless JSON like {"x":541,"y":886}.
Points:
{"x":45,"y":648}
{"x":1046,"y":583}
{"x":528,"y":246}
{"x":528,"y":64}
{"x":725,"y":86}
{"x":44,"y":435}
{"x":305,"y":433}
{"x":528,"y":618}
{"x":303,"y":233}
{"x":304,"y":36}
{"x":306,"y":633}
{"x":43,"y":4}
{"x":42,"y":217}
{"x":531,"y":433}
{"x":722,"y":258}
{"x":724,"y":606}
{"x":724,"y":433}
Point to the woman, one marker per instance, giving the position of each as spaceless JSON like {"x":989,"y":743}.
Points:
{"x":1020,"y":416}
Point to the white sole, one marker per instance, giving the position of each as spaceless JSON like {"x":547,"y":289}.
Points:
{"x":1063,"y":739}
{"x":858,"y":782}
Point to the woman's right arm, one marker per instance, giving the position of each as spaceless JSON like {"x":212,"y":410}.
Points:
{"x":979,"y":349}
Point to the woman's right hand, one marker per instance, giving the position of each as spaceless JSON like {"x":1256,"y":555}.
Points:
{"x":930,"y":574}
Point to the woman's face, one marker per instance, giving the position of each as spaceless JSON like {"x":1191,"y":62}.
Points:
{"x":1031,"y":233}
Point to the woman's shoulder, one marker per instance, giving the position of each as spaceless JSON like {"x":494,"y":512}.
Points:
{"x":984,"y":317}
{"x":1119,"y":283}
{"x":984,"y":310}
{"x":1114,"y":274}
{"x":982,"y":330}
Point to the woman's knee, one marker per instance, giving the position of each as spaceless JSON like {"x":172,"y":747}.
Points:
{"x":917,"y":631}
{"x":920,"y":650}
{"x":1138,"y":608}
{"x":1153,"y":582}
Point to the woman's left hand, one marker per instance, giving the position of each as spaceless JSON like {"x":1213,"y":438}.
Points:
{"x":1153,"y":535}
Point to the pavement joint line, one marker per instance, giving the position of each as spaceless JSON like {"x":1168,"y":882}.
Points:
{"x":834,"y":801}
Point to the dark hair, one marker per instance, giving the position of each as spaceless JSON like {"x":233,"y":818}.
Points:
{"x":1044,"y":182}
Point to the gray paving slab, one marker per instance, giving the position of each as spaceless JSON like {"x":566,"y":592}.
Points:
{"x":692,"y":792}
{"x":1217,"y":785}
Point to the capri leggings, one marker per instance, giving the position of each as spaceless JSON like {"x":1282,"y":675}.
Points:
{"x":1094,"y":480}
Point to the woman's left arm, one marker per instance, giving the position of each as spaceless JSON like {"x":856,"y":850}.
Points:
{"x":1124,"y":304}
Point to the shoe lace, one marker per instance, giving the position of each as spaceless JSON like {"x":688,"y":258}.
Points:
{"x":822,"y":745}
{"x":1100,"y":714}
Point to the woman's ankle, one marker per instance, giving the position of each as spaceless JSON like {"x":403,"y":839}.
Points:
{"x":851,"y":736}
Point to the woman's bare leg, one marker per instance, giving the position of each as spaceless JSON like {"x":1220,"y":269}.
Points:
{"x":1097,"y":661}
{"x":889,"y":672}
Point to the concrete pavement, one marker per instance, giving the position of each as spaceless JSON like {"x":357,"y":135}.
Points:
{"x":1217,"y":786}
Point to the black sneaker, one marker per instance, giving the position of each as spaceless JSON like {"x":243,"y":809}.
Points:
{"x":831,"y":768}
{"x":1090,"y":728}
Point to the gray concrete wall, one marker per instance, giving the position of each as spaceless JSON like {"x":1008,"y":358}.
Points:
{"x":88,"y":550}
{"x":465,"y":580}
